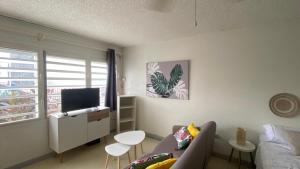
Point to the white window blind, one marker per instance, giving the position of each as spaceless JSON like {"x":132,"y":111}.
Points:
{"x":18,"y":85}
{"x":63,"y":73}
{"x":99,"y":78}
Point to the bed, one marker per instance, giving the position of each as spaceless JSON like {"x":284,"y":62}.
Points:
{"x":271,"y":155}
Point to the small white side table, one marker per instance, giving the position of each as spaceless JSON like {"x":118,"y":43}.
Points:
{"x":131,"y":138}
{"x":247,"y":148}
{"x":116,"y":150}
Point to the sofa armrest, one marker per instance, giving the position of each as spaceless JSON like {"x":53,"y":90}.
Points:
{"x":176,"y":128}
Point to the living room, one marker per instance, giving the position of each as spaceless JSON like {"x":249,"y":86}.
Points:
{"x":229,"y":69}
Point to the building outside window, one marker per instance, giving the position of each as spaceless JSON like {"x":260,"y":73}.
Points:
{"x":70,"y":73}
{"x":18,"y":85}
{"x":19,"y":82}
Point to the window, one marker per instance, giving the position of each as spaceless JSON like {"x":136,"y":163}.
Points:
{"x":18,"y":85}
{"x":99,"y":77}
{"x":70,"y":73}
{"x":63,"y":73}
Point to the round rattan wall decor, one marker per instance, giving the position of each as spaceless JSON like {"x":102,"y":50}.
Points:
{"x":284,"y":105}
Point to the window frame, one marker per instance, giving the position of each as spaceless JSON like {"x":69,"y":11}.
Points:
{"x":40,"y":80}
{"x":88,"y":71}
{"x":91,"y":78}
{"x":41,"y":72}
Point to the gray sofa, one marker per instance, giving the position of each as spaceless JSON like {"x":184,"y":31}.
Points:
{"x":196,"y":155}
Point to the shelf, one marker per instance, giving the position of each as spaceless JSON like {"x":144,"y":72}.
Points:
{"x":126,"y":113}
{"x":126,"y":107}
{"x":124,"y":120}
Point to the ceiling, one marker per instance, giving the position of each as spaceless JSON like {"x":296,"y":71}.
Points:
{"x":134,"y":22}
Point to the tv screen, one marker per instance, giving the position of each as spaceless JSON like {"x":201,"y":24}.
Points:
{"x":74,"y":99}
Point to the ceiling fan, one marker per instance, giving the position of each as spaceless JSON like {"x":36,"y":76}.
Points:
{"x":166,"y":6}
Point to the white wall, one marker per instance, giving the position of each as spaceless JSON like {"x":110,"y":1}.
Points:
{"x":233,"y":74}
{"x":20,"y":142}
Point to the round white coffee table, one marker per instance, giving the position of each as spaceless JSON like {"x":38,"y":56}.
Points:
{"x":116,"y":150}
{"x":131,"y":138}
{"x":247,"y":148}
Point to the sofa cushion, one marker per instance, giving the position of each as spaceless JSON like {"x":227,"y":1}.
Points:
{"x":168,"y":144}
{"x":183,"y":138}
{"x":147,"y":161}
{"x":163,"y":165}
{"x":193,"y":130}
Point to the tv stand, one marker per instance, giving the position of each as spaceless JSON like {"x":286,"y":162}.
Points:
{"x":67,"y":132}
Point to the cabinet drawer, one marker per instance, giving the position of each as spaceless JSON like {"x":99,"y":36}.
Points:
{"x":95,"y":116}
{"x":97,"y":129}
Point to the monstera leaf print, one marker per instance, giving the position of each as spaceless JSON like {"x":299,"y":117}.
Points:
{"x":175,"y":76}
{"x":160,"y":84}
{"x":167,"y":79}
{"x":152,"y":68}
{"x":180,"y":91}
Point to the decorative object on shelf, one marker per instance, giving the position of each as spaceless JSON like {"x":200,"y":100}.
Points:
{"x":168,"y":79}
{"x":284,"y":105}
{"x":241,"y":136}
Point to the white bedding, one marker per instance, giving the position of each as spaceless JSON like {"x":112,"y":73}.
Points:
{"x":275,"y":156}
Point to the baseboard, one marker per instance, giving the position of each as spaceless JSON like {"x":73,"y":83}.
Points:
{"x":226,"y":157}
{"x":29,"y":162}
{"x":154,"y":136}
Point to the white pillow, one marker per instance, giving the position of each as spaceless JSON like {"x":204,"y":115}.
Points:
{"x":275,"y":133}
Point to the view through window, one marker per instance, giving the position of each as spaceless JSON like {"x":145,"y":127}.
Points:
{"x":19,"y":82}
{"x":99,"y":77}
{"x":69,"y":73}
{"x":18,"y":85}
{"x":63,"y":73}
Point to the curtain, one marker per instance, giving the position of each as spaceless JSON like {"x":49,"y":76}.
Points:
{"x":111,"y":91}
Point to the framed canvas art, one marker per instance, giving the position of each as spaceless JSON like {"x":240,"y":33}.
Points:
{"x":168,"y":79}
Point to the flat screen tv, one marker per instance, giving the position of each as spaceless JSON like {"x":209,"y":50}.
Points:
{"x":75,"y":99}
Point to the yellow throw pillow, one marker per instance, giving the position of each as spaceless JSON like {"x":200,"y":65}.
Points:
{"x":193,"y":130}
{"x":163,"y":165}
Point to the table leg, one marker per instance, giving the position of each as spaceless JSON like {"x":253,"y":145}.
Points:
{"x":118,"y":162}
{"x":252,"y":160}
{"x":61,"y":157}
{"x":240,"y":159}
{"x":135,"y":152}
{"x":105,"y":140}
{"x":106,"y":162}
{"x":142,"y":148}
{"x":230,"y":157}
{"x":128,"y":157}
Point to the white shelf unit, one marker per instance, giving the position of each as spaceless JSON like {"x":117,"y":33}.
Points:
{"x":126,"y":113}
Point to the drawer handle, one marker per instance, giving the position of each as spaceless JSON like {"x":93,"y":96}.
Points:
{"x":74,"y":116}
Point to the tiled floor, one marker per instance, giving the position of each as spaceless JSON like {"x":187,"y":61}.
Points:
{"x":93,"y":157}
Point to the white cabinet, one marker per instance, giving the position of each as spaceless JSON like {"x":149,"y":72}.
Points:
{"x":67,"y":132}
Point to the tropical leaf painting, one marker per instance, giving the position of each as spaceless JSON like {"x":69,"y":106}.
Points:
{"x":168,"y":79}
